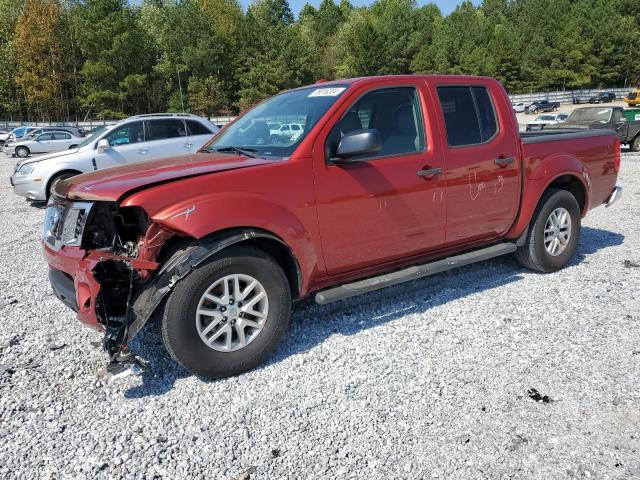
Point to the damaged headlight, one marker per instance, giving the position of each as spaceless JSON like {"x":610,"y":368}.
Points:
{"x":64,"y":223}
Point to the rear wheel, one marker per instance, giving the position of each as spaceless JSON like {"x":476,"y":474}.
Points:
{"x":635,"y":144}
{"x":228,"y":315}
{"x":22,"y":152}
{"x":553,"y":236}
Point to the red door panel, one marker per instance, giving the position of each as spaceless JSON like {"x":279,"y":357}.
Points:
{"x":482,"y":178}
{"x":378,"y":210}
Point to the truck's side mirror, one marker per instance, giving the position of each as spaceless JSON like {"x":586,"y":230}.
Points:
{"x":103,"y":145}
{"x":356,"y":144}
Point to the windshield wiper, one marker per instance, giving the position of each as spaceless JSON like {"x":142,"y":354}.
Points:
{"x":247,"y":152}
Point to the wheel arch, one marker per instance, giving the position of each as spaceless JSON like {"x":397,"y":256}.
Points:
{"x":557,"y":171}
{"x":54,"y":176}
{"x":178,"y":264}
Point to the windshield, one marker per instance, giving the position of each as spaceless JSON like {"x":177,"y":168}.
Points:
{"x":91,"y":136}
{"x":275,"y":127}
{"x":594,"y":115}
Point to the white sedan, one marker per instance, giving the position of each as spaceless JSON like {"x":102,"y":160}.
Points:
{"x":542,"y":121}
{"x":519,"y":107}
{"x":47,"y":142}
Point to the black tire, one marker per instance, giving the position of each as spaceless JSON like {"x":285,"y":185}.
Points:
{"x":60,"y":176}
{"x":22,"y":152}
{"x":178,"y":325}
{"x":635,"y":144}
{"x":533,"y":254}
{"x":73,"y":146}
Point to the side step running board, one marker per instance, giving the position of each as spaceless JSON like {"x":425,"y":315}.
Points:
{"x":388,"y":279}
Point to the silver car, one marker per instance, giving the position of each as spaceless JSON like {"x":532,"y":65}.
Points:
{"x":136,"y":139}
{"x":45,"y":142}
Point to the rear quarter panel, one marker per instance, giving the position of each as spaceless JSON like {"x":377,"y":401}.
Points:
{"x":590,"y":159}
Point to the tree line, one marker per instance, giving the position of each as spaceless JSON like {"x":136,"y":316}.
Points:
{"x":81,"y":59}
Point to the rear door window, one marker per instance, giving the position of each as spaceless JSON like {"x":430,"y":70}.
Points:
{"x":469,"y":115}
{"x":165,"y":128}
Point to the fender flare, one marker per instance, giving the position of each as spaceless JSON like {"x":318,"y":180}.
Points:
{"x":180,"y":266}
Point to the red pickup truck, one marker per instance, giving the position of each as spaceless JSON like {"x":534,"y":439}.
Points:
{"x":392,"y":178}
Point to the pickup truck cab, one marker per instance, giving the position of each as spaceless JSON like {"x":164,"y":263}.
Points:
{"x":394,"y":178}
{"x":614,"y":118}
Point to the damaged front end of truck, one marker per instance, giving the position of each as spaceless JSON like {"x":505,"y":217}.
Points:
{"x":114,"y":265}
{"x":102,"y":259}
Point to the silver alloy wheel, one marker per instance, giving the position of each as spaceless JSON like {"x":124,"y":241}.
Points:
{"x":557,"y":231}
{"x":232,"y":312}
{"x":22,"y":152}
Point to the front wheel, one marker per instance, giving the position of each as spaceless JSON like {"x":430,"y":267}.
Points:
{"x":635,"y":144}
{"x":553,"y":236}
{"x":228,"y":315}
{"x":22,"y":152}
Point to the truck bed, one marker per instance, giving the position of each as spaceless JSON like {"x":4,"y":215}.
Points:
{"x":555,"y":135}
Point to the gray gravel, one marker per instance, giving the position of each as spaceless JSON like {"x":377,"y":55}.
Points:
{"x":428,"y":380}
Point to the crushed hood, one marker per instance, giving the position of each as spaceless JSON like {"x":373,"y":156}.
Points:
{"x":111,"y":184}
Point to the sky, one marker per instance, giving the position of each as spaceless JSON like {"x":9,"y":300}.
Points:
{"x":446,"y":6}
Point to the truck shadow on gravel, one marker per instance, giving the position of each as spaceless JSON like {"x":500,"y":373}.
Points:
{"x":312,"y":324}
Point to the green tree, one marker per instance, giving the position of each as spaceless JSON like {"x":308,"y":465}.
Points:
{"x":38,"y":56}
{"x":9,"y":101}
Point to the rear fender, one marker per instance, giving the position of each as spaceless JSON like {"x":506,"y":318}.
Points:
{"x":538,"y":177}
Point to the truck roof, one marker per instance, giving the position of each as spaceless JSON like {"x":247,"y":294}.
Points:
{"x":364,"y":80}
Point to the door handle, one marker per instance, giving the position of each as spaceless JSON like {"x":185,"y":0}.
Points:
{"x":188,"y":145}
{"x":503,"y":162}
{"x":143,"y":151}
{"x":429,"y":173}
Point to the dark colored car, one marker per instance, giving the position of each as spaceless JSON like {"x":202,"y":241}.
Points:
{"x":543,"y":106}
{"x":393,"y":178}
{"x":603,"y":97}
{"x":614,"y":118}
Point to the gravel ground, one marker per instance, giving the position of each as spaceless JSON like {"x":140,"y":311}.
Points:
{"x":429,"y":380}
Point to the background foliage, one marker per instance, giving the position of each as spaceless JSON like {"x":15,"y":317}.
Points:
{"x":78,"y":59}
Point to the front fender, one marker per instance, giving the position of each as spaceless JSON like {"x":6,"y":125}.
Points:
{"x":537,"y":178}
{"x":203,"y":215}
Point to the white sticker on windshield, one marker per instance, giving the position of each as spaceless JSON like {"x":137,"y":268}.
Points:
{"x":327,"y":92}
{"x":602,"y":112}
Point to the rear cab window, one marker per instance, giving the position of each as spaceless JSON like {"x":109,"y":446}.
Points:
{"x":469,"y":115}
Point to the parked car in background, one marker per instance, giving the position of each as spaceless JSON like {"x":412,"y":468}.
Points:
{"x":18,"y":133}
{"x":518,"y":107}
{"x":287,"y":132}
{"x":543,"y":106}
{"x":136,"y":139}
{"x":603,"y":97}
{"x":541,"y":121}
{"x":633,"y":98}
{"x":217,"y":245}
{"x":4,"y":134}
{"x":614,"y":118}
{"x":44,"y":142}
{"x":579,"y":98}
